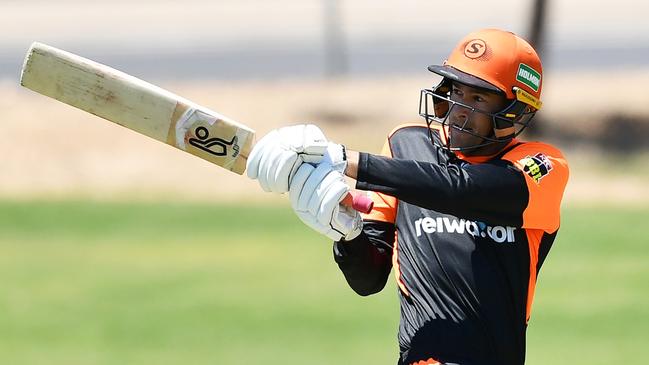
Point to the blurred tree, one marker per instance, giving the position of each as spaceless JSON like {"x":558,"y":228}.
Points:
{"x":536,"y":37}
{"x":538,"y":25}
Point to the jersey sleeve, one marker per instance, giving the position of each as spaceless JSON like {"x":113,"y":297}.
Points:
{"x":385,"y":206}
{"x":494,"y":192}
{"x":546,"y":174}
{"x":366,"y":260}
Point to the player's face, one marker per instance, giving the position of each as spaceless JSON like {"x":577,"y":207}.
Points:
{"x":474,"y":121}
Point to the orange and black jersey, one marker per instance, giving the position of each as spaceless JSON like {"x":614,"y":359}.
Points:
{"x":466,"y":238}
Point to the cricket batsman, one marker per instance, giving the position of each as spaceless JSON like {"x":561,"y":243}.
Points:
{"x":464,"y":212}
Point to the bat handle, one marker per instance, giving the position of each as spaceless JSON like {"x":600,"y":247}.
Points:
{"x":359,"y":202}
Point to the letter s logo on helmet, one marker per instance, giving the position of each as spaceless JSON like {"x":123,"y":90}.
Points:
{"x":475,"y":48}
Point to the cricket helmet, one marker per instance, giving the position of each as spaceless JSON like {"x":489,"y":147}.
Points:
{"x":496,"y":61}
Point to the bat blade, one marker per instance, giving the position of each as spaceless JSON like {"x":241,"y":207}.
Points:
{"x":137,"y":105}
{"x":144,"y":108}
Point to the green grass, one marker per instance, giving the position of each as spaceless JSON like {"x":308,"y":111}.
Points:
{"x":116,"y":283}
{"x":592,"y":302}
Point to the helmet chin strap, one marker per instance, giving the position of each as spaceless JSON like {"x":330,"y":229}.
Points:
{"x":505,"y":133}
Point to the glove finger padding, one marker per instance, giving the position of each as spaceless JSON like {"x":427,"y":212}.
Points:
{"x":306,"y":139}
{"x":315,"y":195}
{"x":297,"y":184}
{"x":310,"y":185}
{"x":281,"y":169}
{"x":268,"y":165}
{"x":258,"y":151}
{"x":329,"y":194}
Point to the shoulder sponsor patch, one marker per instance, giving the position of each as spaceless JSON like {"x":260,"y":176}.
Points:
{"x":536,"y":166}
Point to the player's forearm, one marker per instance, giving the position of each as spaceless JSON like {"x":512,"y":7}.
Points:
{"x":473,"y":191}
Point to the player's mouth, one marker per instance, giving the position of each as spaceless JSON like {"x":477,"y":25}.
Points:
{"x":461,"y":127}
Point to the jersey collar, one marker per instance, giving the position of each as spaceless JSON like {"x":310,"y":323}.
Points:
{"x":482,"y":159}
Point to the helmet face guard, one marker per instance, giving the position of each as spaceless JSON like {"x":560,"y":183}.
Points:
{"x":436,"y":105}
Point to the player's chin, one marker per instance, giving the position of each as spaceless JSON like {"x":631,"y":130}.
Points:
{"x":462,"y":141}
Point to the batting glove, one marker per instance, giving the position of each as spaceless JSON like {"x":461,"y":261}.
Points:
{"x":277,"y":156}
{"x":316,"y":193}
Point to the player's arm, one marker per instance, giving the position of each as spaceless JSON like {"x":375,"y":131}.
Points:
{"x":495,"y":191}
{"x":523,"y":189}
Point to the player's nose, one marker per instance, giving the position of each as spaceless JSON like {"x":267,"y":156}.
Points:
{"x":459,"y":114}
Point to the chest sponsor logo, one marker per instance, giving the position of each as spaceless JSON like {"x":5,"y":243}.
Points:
{"x":498,"y":234}
{"x":536,"y":166}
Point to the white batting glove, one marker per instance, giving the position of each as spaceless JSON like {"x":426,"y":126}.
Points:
{"x":336,"y":157}
{"x":316,"y":193}
{"x":277,"y":156}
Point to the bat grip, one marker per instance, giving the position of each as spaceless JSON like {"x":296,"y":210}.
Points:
{"x":359,"y":202}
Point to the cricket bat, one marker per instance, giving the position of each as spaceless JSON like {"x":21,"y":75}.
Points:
{"x":144,"y":108}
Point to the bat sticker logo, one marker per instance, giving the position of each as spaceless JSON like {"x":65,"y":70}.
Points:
{"x":214,"y":146}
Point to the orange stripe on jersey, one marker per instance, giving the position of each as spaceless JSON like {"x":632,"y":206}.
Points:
{"x":384,"y":210}
{"x":397,"y":268}
{"x":534,"y":241}
{"x":546,"y":175}
{"x":430,"y":361}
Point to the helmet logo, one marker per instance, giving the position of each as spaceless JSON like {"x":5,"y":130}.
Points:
{"x":475,"y":48}
{"x":529,"y":76}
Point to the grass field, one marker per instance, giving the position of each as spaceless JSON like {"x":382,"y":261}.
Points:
{"x":160,"y":283}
